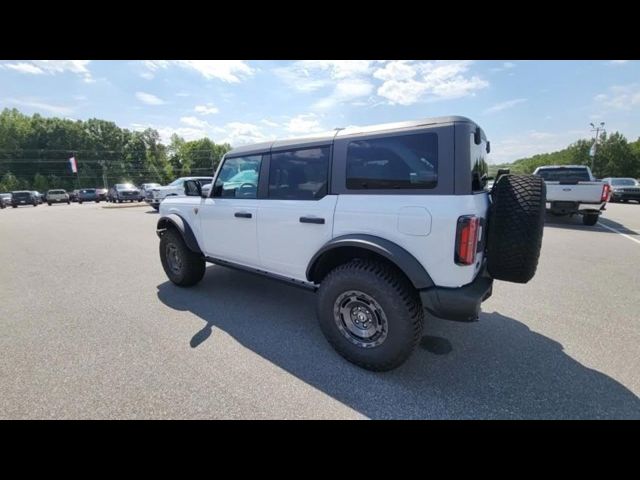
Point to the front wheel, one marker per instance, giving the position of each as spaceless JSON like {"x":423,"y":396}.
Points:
{"x":370,"y":313}
{"x":183,"y":267}
{"x":590,"y":219}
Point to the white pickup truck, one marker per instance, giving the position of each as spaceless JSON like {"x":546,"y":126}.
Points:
{"x":572,"y":189}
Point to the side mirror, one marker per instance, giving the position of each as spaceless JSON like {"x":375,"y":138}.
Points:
{"x":488,"y":146}
{"x":205,"y":190}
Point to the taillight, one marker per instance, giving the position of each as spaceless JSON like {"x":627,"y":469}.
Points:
{"x":467,"y":239}
{"x":605,"y":193}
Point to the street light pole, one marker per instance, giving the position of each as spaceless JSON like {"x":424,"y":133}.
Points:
{"x":595,"y":141}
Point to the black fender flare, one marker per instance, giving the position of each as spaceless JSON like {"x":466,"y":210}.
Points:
{"x":180,"y":224}
{"x":393,"y":252}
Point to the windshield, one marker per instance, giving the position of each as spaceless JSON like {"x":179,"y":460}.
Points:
{"x":21,"y":194}
{"x":125,"y":186}
{"x":625,"y":182}
{"x":88,"y":190}
{"x":562,"y":174}
{"x":177,"y":182}
{"x":5,"y":195}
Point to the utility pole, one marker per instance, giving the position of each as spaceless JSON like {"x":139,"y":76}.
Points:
{"x":595,"y":142}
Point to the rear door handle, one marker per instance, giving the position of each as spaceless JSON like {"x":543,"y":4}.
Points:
{"x":242,"y":215}
{"x":317,"y":220}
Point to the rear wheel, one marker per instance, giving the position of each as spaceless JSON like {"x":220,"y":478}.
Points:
{"x":590,"y":219}
{"x":49,"y":203}
{"x":370,"y":313}
{"x":183,"y":267}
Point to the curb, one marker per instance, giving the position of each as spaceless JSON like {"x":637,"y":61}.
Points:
{"x":128,"y":205}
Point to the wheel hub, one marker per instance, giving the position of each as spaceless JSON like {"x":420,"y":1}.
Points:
{"x":360,"y":319}
{"x":173,"y":258}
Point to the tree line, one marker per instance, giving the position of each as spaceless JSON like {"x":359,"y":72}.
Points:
{"x":35,"y":152}
{"x":614,"y":157}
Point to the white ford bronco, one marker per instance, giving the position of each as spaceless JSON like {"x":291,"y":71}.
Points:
{"x":388,"y":224}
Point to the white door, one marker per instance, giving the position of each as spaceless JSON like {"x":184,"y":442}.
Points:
{"x":228,"y":218}
{"x":296,"y":218}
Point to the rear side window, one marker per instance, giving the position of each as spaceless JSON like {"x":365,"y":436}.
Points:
{"x":560,"y":174}
{"x":395,"y":162}
{"x":299,"y":174}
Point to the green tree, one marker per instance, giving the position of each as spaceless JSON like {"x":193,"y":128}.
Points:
{"x":40,"y":183}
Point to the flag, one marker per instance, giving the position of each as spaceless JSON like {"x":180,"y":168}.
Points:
{"x":74,"y":165}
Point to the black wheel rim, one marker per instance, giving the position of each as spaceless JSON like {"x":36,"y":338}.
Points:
{"x":360,"y":319}
{"x":174,"y":261}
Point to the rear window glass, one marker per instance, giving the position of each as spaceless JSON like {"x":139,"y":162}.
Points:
{"x":564,"y":174}
{"x":57,"y":192}
{"x":395,"y":162}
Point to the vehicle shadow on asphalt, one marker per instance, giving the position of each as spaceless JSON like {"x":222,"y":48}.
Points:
{"x":494,"y":368}
{"x":575,"y":223}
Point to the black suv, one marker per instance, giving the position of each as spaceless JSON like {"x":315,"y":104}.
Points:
{"x":23,"y":197}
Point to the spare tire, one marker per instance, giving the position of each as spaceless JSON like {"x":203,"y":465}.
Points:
{"x":516,"y":223}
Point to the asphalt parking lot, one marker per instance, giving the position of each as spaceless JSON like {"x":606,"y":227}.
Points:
{"x":91,"y":328}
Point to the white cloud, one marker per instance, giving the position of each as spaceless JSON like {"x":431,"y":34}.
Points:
{"x":39,"y":105}
{"x":239,"y":133}
{"x":345,"y":91}
{"x":504,"y":66}
{"x":406,"y":82}
{"x":231,"y":71}
{"x":194,"y":122}
{"x":52,"y":67}
{"x":621,"y":97}
{"x":269,"y":123}
{"x":147,"y":75}
{"x":504,"y":105}
{"x":149,"y":99}
{"x":311,"y":75}
{"x":207,"y":109}
{"x":304,"y":124}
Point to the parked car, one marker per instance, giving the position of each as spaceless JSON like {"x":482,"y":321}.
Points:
{"x":38,"y":196}
{"x":58,"y":196}
{"x":623,"y":189}
{"x":174,"y":189}
{"x":102,"y":193}
{"x":5,"y":199}
{"x":573,"y":190}
{"x":124,"y":192}
{"x":73,"y":195}
{"x":147,"y":187}
{"x":387,"y":224}
{"x":23,"y":197}
{"x":88,"y":195}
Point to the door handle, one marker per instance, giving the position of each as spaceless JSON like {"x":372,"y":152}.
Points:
{"x":317,"y":220}
{"x":242,"y":215}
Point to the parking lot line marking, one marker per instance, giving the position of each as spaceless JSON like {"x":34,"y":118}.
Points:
{"x":619,"y":232}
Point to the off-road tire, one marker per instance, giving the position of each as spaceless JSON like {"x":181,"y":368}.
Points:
{"x":192,"y":265}
{"x":398,"y":299}
{"x":516,"y":224}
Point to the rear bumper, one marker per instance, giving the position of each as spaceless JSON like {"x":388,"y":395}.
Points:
{"x":460,"y":304}
{"x":568,"y":208}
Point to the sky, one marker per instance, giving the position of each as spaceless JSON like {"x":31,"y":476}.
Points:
{"x":525,"y":107}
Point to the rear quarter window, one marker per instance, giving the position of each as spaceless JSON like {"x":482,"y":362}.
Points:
{"x":407,"y":161}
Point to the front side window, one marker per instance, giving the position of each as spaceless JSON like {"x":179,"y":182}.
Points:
{"x":396,"y":162}
{"x":238,"y":177}
{"x":299,"y":174}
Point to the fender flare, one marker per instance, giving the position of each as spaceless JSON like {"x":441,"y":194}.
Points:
{"x":180,"y":224}
{"x":393,"y":252}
